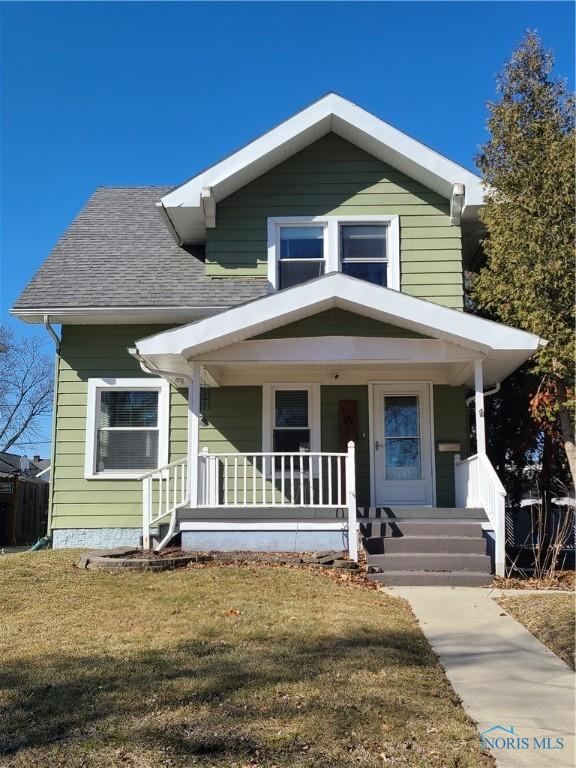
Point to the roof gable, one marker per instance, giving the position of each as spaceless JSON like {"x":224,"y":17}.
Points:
{"x":502,"y":348}
{"x":191,"y":207}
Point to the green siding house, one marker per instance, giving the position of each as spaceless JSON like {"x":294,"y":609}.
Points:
{"x":275,"y":355}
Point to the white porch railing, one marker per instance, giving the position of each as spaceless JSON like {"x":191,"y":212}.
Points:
{"x":261,"y":479}
{"x":478,"y":485}
{"x":326,"y":480}
{"x":163,"y":491}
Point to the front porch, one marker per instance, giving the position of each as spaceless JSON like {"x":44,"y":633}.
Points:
{"x":317,"y":401}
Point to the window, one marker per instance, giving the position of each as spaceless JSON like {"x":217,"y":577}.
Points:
{"x":301,"y":255}
{"x":291,"y":430}
{"x":127,"y":427}
{"x":363,"y":252}
{"x":402,"y":437}
{"x":291,"y":418}
{"x":364,"y":247}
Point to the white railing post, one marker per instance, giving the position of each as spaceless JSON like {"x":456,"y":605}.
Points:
{"x":146,"y":511}
{"x":351,"y":502}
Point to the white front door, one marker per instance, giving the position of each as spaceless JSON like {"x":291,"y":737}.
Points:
{"x":402,"y":447}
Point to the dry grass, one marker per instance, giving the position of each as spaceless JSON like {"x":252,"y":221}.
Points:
{"x":235,"y":667}
{"x":551,"y":618}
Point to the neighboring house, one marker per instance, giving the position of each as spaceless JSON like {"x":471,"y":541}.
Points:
{"x":23,"y":499}
{"x":231,"y":336}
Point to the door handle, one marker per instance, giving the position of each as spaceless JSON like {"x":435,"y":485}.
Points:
{"x":378,"y":445}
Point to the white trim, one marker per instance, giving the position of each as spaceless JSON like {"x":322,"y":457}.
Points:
{"x":331,"y":113}
{"x":319,"y":350}
{"x":95,"y":386}
{"x":314,"y":425}
{"x":115,"y":315}
{"x":332,"y":257}
{"x":372,"y":429}
{"x":261,"y":525}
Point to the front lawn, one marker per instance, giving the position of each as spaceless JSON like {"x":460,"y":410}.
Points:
{"x":551,"y":618}
{"x":229,"y":666}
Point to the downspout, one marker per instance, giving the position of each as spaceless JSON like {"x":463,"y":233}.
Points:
{"x":487,"y":393}
{"x":57,"y":341}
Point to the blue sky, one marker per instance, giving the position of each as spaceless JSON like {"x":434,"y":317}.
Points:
{"x":149,"y":93}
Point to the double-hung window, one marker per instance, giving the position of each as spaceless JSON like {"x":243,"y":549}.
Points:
{"x":127,"y":427}
{"x":364,"y":252}
{"x":301,"y":254}
{"x":364,"y":247}
{"x":291,"y":429}
{"x":291,"y":418}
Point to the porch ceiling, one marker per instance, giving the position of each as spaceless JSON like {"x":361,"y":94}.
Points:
{"x":456,"y":339}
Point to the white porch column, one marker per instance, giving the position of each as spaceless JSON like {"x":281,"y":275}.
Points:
{"x":479,"y":408}
{"x":193,"y":432}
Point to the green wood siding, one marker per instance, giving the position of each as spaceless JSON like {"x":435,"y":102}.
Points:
{"x":338,"y":322}
{"x":450,"y":425}
{"x":98,"y":352}
{"x":333,"y":177}
{"x":232,"y":422}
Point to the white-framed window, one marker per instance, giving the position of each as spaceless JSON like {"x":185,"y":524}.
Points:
{"x":126,"y":427}
{"x":301,"y":248}
{"x":291,"y":418}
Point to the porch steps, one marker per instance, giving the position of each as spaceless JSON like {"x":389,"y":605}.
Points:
{"x":425,"y":547}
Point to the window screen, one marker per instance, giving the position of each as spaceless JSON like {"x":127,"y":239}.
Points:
{"x":127,"y":430}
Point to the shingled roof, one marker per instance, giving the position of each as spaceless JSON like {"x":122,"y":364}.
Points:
{"x":118,"y":252}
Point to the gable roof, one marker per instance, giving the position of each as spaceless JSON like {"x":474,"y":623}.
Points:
{"x":119,"y":254}
{"x":190,"y":206}
{"x":503,"y":348}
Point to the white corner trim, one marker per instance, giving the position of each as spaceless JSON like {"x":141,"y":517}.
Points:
{"x":95,"y":386}
{"x":268,"y":391}
{"x":331,"y":226}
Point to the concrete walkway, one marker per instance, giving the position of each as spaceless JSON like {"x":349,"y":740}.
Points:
{"x":503,"y":674}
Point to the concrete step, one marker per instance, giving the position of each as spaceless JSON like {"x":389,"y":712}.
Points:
{"x":438,"y":527}
{"x":447,"y":544}
{"x":425,"y":561}
{"x":431,"y":579}
{"x":422,"y":513}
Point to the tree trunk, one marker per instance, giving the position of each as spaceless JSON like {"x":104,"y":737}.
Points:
{"x":567,"y":427}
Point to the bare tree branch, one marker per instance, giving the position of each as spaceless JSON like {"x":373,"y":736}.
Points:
{"x":26,"y":376}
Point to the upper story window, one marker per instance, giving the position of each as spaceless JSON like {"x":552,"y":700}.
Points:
{"x":364,"y":247}
{"x":364,"y":252}
{"x":301,"y":254}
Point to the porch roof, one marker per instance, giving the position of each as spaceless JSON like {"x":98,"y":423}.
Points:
{"x":454,"y":337}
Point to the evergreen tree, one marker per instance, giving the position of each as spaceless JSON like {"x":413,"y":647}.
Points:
{"x":528,"y":276}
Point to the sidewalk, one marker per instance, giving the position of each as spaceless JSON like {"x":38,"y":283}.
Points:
{"x":503,"y":674}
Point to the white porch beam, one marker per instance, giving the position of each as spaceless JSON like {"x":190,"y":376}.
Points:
{"x":479,"y":407}
{"x":193,"y":432}
{"x":339,"y":349}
